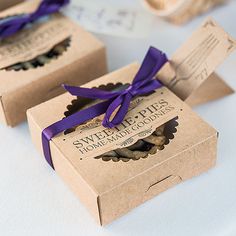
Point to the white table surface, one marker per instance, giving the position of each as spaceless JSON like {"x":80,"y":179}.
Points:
{"x":34,"y":200}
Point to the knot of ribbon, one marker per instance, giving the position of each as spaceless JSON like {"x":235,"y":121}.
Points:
{"x":115,"y":102}
{"x":12,"y":25}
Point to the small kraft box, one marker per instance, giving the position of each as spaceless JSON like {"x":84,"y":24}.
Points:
{"x":181,"y":11}
{"x":6,"y":3}
{"x":160,"y":142}
{"x":35,"y":61}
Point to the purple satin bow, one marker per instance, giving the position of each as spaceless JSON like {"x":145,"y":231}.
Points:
{"x":143,"y":83}
{"x":15,"y":24}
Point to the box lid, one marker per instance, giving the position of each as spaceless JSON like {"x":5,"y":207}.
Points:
{"x":23,"y":46}
{"x":104,"y":176}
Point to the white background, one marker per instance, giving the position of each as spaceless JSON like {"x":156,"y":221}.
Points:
{"x":34,"y":201}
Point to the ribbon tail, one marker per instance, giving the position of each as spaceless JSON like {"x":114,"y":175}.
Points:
{"x":122,"y":101}
{"x":11,"y":26}
{"x":92,"y":93}
{"x":47,"y":7}
{"x":69,"y":122}
{"x":149,"y":87}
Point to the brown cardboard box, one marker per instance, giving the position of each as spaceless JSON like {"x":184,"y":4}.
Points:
{"x":110,"y":189}
{"x":8,"y":3}
{"x":181,"y":11}
{"x":83,"y":60}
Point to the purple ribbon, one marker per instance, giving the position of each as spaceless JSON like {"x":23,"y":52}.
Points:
{"x":144,"y":82}
{"x":15,"y":24}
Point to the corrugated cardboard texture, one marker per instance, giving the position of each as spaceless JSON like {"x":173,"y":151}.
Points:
{"x":83,"y":61}
{"x":114,"y":188}
{"x":8,"y":3}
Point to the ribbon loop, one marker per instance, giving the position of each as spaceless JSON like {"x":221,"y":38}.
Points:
{"x":116,"y":104}
{"x":92,"y":93}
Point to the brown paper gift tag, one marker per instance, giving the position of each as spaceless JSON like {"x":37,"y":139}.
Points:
{"x":190,"y":71}
{"x":211,"y":89}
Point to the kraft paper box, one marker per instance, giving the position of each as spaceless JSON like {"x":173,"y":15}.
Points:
{"x":8,"y":3}
{"x":181,"y":11}
{"x":110,"y":189}
{"x":110,"y":186}
{"x":36,"y":61}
